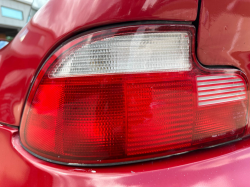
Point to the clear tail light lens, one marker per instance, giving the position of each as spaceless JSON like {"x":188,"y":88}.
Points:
{"x":128,"y":94}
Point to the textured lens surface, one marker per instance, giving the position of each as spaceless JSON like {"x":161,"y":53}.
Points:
{"x":131,"y":53}
{"x":111,"y":117}
{"x":160,"y":115}
{"x":220,"y":89}
{"x":219,"y":121}
{"x":145,"y":98}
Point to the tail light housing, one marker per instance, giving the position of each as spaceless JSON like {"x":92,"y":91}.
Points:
{"x":128,"y":94}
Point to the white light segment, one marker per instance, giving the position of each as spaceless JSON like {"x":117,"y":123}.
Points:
{"x":148,"y":52}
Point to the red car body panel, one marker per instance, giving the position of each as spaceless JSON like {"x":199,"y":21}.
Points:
{"x":223,"y":37}
{"x":58,"y":21}
{"x":226,"y":165}
{"x":222,"y":40}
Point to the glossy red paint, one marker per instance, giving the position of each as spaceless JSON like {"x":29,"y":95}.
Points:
{"x":223,"y":34}
{"x":58,"y":21}
{"x":221,"y":166}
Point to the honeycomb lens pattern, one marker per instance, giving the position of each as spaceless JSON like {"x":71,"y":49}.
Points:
{"x":100,"y":119}
{"x":160,"y":116}
{"x":143,"y":99}
{"x":132,"y":53}
{"x":88,"y":120}
{"x":220,"y":121}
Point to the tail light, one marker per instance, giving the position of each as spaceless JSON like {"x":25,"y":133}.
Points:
{"x":130,"y":93}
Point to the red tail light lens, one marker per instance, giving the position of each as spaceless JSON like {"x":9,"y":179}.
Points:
{"x":129,"y":94}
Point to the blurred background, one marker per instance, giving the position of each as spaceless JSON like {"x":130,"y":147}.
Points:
{"x":14,"y":15}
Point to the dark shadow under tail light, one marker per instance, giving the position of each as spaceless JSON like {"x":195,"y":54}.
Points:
{"x":131,"y":93}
